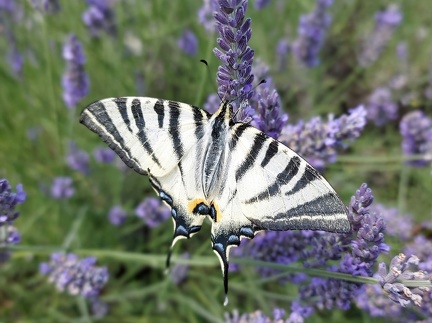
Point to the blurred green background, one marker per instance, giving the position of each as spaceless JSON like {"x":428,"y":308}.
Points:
{"x":144,"y":59}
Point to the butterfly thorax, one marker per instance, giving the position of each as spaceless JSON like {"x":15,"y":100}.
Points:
{"x":214,"y":151}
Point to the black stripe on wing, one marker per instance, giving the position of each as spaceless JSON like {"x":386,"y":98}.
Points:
{"x":174,"y":131}
{"x":142,"y":135}
{"x":310,"y":174}
{"x":98,"y":111}
{"x":249,"y":160}
{"x":270,"y":153}
{"x":238,"y":131}
{"x":160,"y":111}
{"x":283,"y":178}
{"x":121,"y":105}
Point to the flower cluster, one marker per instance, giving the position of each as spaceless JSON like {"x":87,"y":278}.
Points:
{"x":386,"y":22}
{"x":48,"y":6}
{"x":61,"y":188}
{"x":318,"y":141}
{"x":104,"y":155}
{"x":9,"y":234}
{"x":73,"y":275}
{"x":205,"y":14}
{"x":180,"y":271}
{"x":116,"y":215}
{"x":188,"y":42}
{"x":311,"y":33}
{"x":397,"y":225}
{"x":234,"y":76}
{"x":416,"y":130}
{"x":99,"y":17}
{"x":75,"y":80}
{"x":153,"y":212}
{"x":78,"y":159}
{"x":257,"y":316}
{"x":380,"y":106}
{"x":268,"y":116}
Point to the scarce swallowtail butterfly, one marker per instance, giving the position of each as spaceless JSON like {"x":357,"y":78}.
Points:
{"x":207,"y":165}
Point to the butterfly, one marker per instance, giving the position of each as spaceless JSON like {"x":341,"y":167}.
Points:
{"x":206,"y":165}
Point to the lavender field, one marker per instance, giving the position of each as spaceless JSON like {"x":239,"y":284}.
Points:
{"x":348,"y":86}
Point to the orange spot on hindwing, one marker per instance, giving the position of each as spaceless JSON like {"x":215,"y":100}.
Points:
{"x":193,"y":204}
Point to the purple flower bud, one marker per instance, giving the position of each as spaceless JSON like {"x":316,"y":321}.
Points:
{"x":117,"y":216}
{"x":75,"y":81}
{"x":104,"y":155}
{"x":153,"y":212}
{"x":188,"y":42}
{"x":416,"y":130}
{"x":311,"y":33}
{"x":234,"y":76}
{"x":381,"y":107}
{"x":62,"y":188}
{"x":9,"y":200}
{"x":78,"y":159}
{"x":99,"y":17}
{"x":386,"y":22}
{"x":74,"y":276}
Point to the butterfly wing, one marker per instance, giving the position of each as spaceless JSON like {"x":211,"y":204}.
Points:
{"x":161,"y":139}
{"x":148,"y":134}
{"x":270,"y":187}
{"x":279,"y":190}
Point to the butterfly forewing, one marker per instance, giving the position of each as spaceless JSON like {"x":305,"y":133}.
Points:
{"x":148,"y":134}
{"x":279,"y":190}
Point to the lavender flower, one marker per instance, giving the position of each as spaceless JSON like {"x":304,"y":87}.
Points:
{"x":380,"y":106}
{"x":261,"y":4}
{"x":269,"y":116}
{"x":416,"y":130}
{"x":400,"y":270}
{"x":15,"y":59}
{"x":299,"y":313}
{"x":77,"y":159}
{"x":9,"y":200}
{"x":48,"y":6}
{"x":318,"y":141}
{"x":117,"y":216}
{"x":188,"y":42}
{"x":376,"y":302}
{"x":212,"y":103}
{"x":180,"y":271}
{"x":99,"y":308}
{"x":75,"y":80}
{"x":205,"y":14}
{"x":9,"y":235}
{"x":398,"y":225}
{"x":234,"y":76}
{"x":256,"y":317}
{"x":283,"y":48}
{"x":367,"y":243}
{"x":311,"y":33}
{"x":386,"y":22}
{"x":153,"y":212}
{"x":104,"y":155}
{"x":99,"y":17}
{"x":422,"y":247}
{"x":62,"y":188}
{"x":73,"y":275}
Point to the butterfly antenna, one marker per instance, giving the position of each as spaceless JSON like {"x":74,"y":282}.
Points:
{"x":208,"y":75}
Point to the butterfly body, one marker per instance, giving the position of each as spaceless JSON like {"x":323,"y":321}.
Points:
{"x":205,"y":165}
